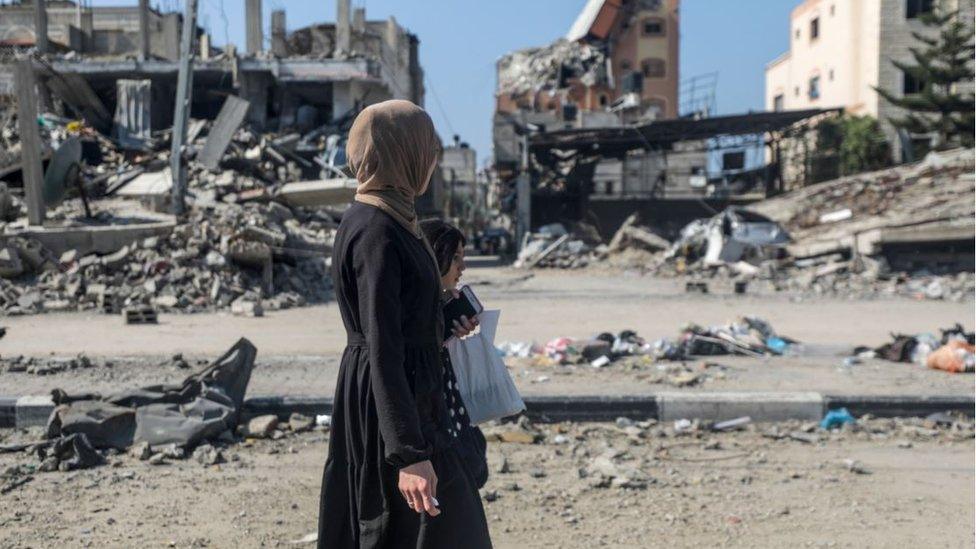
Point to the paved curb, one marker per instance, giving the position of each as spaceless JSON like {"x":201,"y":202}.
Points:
{"x":28,"y":411}
{"x":730,"y":405}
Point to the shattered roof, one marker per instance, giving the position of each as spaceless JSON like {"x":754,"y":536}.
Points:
{"x":665,"y":132}
{"x":548,"y":67}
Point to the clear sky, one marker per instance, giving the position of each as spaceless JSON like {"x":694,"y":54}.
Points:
{"x":460,"y":40}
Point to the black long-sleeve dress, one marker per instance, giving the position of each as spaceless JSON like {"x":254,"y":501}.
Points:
{"x":389,"y":409}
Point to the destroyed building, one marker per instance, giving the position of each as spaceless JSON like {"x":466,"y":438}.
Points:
{"x":314,"y":75}
{"x":614,"y":77}
{"x":135,"y":179}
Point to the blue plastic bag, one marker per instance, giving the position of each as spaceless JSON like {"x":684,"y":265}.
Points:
{"x":836,"y":418}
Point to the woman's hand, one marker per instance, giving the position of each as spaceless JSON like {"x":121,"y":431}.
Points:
{"x":418,"y":484}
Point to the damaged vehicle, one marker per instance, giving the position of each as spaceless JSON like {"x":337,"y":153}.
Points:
{"x":734,"y":235}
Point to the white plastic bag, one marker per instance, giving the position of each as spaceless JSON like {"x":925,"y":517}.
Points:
{"x":486,"y":388}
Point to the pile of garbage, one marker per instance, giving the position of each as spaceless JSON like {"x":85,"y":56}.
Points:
{"x":598,"y":351}
{"x":551,"y":67}
{"x":749,"y":336}
{"x":953,"y":352}
{"x":243,"y":244}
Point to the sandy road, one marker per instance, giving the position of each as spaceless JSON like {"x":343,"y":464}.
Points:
{"x":705,"y":490}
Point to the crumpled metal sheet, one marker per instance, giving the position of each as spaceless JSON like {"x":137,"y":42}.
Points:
{"x":202,"y":407}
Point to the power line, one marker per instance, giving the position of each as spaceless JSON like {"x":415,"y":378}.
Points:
{"x":440,"y":107}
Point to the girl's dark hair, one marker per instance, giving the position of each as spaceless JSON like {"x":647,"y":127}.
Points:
{"x":444,"y":239}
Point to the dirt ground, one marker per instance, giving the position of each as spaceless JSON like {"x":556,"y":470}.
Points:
{"x":298,"y":349}
{"x":885,"y":483}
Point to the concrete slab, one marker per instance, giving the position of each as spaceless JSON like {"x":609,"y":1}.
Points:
{"x":33,"y":411}
{"x":760,"y":406}
{"x":326,"y":192}
{"x":149,"y":184}
{"x":98,"y":239}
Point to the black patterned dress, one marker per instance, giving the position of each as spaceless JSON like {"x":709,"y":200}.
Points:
{"x":468,"y":438}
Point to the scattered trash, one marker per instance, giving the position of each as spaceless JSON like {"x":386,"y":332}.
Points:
{"x":836,"y":418}
{"x":732,"y":424}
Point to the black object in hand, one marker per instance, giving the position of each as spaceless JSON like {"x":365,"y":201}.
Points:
{"x":466,"y":304}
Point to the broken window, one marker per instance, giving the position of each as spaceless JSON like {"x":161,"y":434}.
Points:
{"x":653,"y":68}
{"x":911,"y":85}
{"x":814,"y":28}
{"x":653,"y":26}
{"x":735,"y":160}
{"x":778,"y":103}
{"x":916,"y":8}
{"x":814,"y":91}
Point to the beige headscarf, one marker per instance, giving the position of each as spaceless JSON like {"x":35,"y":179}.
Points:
{"x":391,"y":148}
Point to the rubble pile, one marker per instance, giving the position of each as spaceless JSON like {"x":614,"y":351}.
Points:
{"x":554,"y":246}
{"x":221,"y":256}
{"x":549,"y":67}
{"x":844,"y":235}
{"x":901,"y":231}
{"x":240,"y":245}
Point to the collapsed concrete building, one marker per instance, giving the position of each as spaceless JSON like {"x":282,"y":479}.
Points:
{"x":205,"y":177}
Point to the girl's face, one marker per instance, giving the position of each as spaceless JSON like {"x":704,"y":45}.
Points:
{"x":450,"y":280}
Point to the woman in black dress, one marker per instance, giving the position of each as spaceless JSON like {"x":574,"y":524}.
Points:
{"x":393,"y":477}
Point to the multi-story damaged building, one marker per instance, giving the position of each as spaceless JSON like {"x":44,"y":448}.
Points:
{"x":590,"y":128}
{"x":310,"y":77}
{"x":617,"y":64}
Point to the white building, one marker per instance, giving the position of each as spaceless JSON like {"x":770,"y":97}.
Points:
{"x":840,"y":50}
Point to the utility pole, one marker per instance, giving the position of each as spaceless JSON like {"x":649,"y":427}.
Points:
{"x":184,"y":97}
{"x":40,"y":26}
{"x":30,"y":140}
{"x":143,"y":29}
{"x":523,"y":191}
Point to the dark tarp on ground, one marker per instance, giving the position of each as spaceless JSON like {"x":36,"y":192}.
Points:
{"x":203,"y":406}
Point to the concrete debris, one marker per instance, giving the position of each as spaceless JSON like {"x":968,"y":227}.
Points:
{"x":260,"y":226}
{"x":550,"y":67}
{"x":902,"y":231}
{"x":49,"y":365}
{"x":261,"y":426}
{"x":554,"y":246}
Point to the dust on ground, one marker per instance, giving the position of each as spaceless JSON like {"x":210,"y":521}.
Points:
{"x":884,"y":483}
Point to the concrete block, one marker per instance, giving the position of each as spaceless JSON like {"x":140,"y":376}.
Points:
{"x":327,"y":192}
{"x":33,"y":411}
{"x":8,"y":412}
{"x":722,"y":406}
{"x":900,"y":405}
{"x":99,"y":239}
